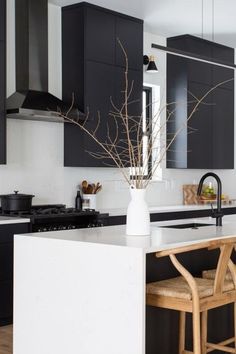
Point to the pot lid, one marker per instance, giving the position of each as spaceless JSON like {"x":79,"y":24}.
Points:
{"x":17,"y":195}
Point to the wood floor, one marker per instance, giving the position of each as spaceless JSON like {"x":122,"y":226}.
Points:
{"x":6,"y":340}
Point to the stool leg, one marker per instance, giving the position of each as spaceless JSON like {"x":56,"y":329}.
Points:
{"x":182,"y":321}
{"x":196,"y":332}
{"x":204,"y":332}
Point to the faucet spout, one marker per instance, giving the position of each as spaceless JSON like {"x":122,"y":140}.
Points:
{"x":218,"y":214}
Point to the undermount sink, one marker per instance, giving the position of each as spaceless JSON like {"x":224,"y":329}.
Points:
{"x":193,"y":225}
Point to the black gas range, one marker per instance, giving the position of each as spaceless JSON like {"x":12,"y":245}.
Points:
{"x":54,"y":217}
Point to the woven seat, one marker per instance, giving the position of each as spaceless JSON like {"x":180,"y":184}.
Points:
{"x":179,"y":288}
{"x":211,"y":274}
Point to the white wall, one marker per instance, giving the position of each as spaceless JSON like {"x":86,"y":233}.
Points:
{"x":35,"y":149}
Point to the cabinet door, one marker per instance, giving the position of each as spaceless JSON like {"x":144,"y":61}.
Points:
{"x":72,"y":55}
{"x":100,"y":36}
{"x":199,"y":71}
{"x":99,"y":87}
{"x":6,"y":301}
{"x":130,"y":33}
{"x":135,"y":87}
{"x":2,"y":103}
{"x":223,"y":53}
{"x":2,"y":20}
{"x":6,"y":261}
{"x":191,"y":44}
{"x":223,"y":128}
{"x":220,"y":75}
{"x":200,"y":129}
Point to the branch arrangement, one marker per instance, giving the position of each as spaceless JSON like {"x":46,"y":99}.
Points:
{"x":125,"y":140}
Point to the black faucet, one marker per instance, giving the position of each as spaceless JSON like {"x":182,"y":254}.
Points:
{"x":215,"y":213}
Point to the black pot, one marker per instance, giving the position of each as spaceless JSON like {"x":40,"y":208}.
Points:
{"x":16,"y":202}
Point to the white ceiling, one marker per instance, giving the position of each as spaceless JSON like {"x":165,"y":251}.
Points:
{"x":175,"y":17}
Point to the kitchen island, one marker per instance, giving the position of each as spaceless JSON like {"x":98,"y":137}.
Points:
{"x":83,"y":291}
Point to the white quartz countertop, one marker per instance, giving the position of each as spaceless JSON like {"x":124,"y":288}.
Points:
{"x":167,"y":208}
{"x":160,"y":238}
{"x":12,"y":220}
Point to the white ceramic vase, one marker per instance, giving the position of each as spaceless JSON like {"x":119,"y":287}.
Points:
{"x":138,"y":217}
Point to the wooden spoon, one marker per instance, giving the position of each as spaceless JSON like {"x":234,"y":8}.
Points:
{"x":99,"y":189}
{"x":84,"y":184}
{"x":89,"y":189}
{"x":93,"y":185}
{"x":96,"y":187}
{"x":84,"y":190}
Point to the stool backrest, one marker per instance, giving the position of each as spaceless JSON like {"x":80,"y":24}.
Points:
{"x":226,"y":246}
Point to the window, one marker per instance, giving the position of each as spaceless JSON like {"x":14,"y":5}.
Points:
{"x":147,"y":129}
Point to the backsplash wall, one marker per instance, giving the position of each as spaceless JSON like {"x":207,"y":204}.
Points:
{"x":35,"y":149}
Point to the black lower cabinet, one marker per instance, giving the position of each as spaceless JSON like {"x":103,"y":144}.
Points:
{"x":6,"y":269}
{"x":6,"y":303}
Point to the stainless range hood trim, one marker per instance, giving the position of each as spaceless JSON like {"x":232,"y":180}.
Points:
{"x":30,"y":114}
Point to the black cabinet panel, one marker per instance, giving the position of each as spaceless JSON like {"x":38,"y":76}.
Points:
{"x":2,"y":98}
{"x":223,"y":128}
{"x":6,"y":261}
{"x":200,"y":72}
{"x":6,"y":268}
{"x":2,"y":20}
{"x":99,"y":36}
{"x":220,"y":75}
{"x":100,"y":89}
{"x":200,"y":129}
{"x":72,"y":55}
{"x":90,"y":63}
{"x":209,"y":140}
{"x":135,"y":84}
{"x":223,"y":53}
{"x":2,"y":76}
{"x":130,"y":33}
{"x":6,"y":300}
{"x":191,"y":44}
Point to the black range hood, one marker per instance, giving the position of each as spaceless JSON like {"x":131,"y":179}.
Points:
{"x":32,"y":99}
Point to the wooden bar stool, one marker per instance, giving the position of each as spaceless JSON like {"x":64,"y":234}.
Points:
{"x":197,"y":295}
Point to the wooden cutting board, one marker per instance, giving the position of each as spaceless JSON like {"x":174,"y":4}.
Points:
{"x":190,"y":194}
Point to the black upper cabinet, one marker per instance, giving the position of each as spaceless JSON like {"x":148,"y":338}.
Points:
{"x":93,"y":69}
{"x":2,"y":81}
{"x":191,"y":44}
{"x":130,"y":33}
{"x":208,"y":142}
{"x":202,"y":47}
{"x":99,"y":36}
{"x":223,"y":128}
{"x":2,"y":20}
{"x":73,"y":55}
{"x":199,"y":72}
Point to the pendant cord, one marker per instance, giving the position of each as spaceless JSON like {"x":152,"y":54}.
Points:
{"x":213,"y":20}
{"x":202,"y":17}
